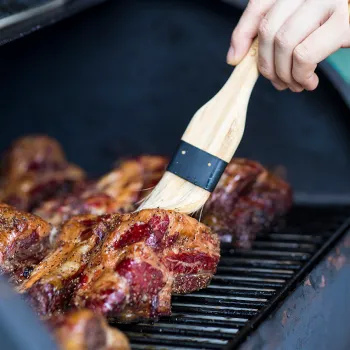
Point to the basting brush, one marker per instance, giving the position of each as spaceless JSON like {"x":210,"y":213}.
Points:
{"x":208,"y":144}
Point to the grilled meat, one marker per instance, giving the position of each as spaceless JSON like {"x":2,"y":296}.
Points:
{"x":118,"y":191}
{"x":24,"y":241}
{"x":51,"y":284}
{"x":149,"y":255}
{"x":124,"y":265}
{"x":248,"y":199}
{"x":35,"y":169}
{"x":105,"y":262}
{"x":84,"y":330}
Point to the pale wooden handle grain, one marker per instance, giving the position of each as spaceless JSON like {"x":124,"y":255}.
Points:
{"x":218,"y":126}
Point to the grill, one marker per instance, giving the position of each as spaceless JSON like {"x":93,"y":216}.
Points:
{"x":248,"y":286}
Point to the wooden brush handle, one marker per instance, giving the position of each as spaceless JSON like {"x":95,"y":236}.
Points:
{"x":218,"y":126}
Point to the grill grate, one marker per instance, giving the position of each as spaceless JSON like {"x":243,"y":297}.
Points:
{"x":247,"y":287}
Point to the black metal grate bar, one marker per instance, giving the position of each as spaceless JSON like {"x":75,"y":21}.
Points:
{"x":248,"y":285}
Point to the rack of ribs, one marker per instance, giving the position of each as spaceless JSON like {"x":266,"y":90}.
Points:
{"x":84,"y":330}
{"x":35,"y":169}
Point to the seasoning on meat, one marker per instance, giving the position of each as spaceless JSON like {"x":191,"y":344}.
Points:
{"x":124,"y":266}
{"x":24,"y":242}
{"x":148,"y":256}
{"x":104,"y":261}
{"x":247,"y":200}
{"x":118,"y":191}
{"x":35,"y":169}
{"x":51,"y":284}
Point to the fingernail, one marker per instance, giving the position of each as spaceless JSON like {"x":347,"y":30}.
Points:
{"x":296,"y":89}
{"x":231,"y":56}
{"x":279,"y":86}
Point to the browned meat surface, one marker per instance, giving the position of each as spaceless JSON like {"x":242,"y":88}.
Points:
{"x":124,"y":266}
{"x":35,"y":169}
{"x":149,"y":255}
{"x":106,"y":261}
{"x":51,"y":284}
{"x":248,"y":199}
{"x":24,"y":241}
{"x":118,"y":191}
{"x":84,"y":330}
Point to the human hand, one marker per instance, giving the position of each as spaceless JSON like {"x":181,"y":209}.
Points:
{"x":294,"y":36}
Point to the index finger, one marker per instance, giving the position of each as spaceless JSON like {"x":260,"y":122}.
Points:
{"x":247,"y":29}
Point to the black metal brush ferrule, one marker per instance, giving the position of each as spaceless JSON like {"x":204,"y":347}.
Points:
{"x":197,"y":166}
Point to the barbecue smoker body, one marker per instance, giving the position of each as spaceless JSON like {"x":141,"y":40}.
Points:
{"x":316,"y":313}
{"x":101,"y":83}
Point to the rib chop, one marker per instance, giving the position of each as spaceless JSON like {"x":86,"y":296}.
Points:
{"x":124,"y":266}
{"x":35,"y":169}
{"x":248,"y":199}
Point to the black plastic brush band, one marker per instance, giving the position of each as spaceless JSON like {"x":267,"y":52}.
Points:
{"x":197,"y":166}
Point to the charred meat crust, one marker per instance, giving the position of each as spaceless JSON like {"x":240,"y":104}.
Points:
{"x":143,"y":256}
{"x":24,"y":242}
{"x":51,"y":284}
{"x":35,"y":169}
{"x":118,"y":191}
{"x":124,"y":266}
{"x":247,"y":199}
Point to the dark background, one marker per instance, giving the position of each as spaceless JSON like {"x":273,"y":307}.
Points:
{"x":125,"y":77}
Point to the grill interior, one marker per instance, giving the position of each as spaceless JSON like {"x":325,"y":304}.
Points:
{"x":248,"y":285}
{"x":12,"y":7}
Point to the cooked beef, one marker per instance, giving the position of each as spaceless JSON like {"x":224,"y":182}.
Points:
{"x":105,"y":262}
{"x":247,"y":200}
{"x":118,"y":191}
{"x":148,"y":256}
{"x":35,"y":169}
{"x":84,"y":330}
{"x":51,"y":284}
{"x":124,"y":266}
{"x":24,"y":241}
